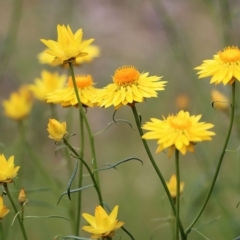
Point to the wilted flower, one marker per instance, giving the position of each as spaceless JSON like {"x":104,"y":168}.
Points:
{"x":102,"y":225}
{"x":172,"y":186}
{"x":67,"y":97}
{"x":179,"y":132}
{"x":224,"y":67}
{"x":3,"y":209}
{"x":8,"y":171}
{"x":22,"y":196}
{"x":56,"y":129}
{"x":129,"y":86}
{"x":68,"y":47}
{"x":19,"y":104}
{"x":47,"y":84}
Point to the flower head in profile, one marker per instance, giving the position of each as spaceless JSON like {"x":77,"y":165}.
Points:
{"x":68,"y":47}
{"x":56,"y":130}
{"x":129,"y":86}
{"x":102,"y":225}
{"x":220,"y":101}
{"x":172,"y":186}
{"x":179,"y":132}
{"x":22,"y":199}
{"x":223,"y":68}
{"x":3,"y":209}
{"x":47,"y":84}
{"x":67,"y":97}
{"x":92,"y":50}
{"x":8,"y":171}
{"x":18,"y":106}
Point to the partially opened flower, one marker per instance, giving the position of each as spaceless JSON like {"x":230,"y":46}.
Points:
{"x":19,"y":104}
{"x":3,"y":209}
{"x":102,"y":225}
{"x":220,"y":101}
{"x":47,"y":84}
{"x":68,"y":47}
{"x":67,"y":97}
{"x":56,"y":130}
{"x":92,"y":50}
{"x":180,"y":132}
{"x":223,"y":68}
{"x":129,"y":86}
{"x":172,"y":186}
{"x":8,"y":171}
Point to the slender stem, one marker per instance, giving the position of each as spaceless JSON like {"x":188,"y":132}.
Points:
{"x":1,"y":231}
{"x":54,"y":113}
{"x":156,"y":168}
{"x":188,"y":230}
{"x":88,"y":169}
{"x":16,"y":211}
{"x":178,"y":193}
{"x":80,"y":177}
{"x":81,"y":112}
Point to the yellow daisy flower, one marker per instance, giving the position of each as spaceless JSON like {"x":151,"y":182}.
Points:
{"x":178,"y":132}
{"x":68,"y":47}
{"x":220,"y":101}
{"x":47,"y":84}
{"x":67,"y":97}
{"x":56,"y":130}
{"x":3,"y":209}
{"x":8,"y":171}
{"x":224,"y":67}
{"x":92,"y":50}
{"x":172,"y":186}
{"x":129,"y":86}
{"x":19,"y":104}
{"x":102,"y":225}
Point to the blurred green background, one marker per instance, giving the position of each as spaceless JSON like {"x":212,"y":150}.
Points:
{"x":165,"y":38}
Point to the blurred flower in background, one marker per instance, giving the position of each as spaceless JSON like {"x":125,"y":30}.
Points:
{"x":223,"y":68}
{"x":102,"y":224}
{"x":8,"y":171}
{"x":19,"y":105}
{"x":56,"y":129}
{"x":179,"y":132}
{"x":47,"y":84}
{"x":220,"y":101}
{"x":68,"y":47}
{"x":3,"y":209}
{"x":172,"y":186}
{"x":182,"y":101}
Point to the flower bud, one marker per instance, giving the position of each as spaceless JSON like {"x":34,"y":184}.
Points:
{"x":56,"y":129}
{"x":22,"y":196}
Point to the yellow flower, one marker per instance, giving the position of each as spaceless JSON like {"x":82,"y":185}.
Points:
{"x":19,"y":105}
{"x":181,"y":132}
{"x":3,"y":209}
{"x":56,"y":130}
{"x":129,"y":86}
{"x":68,"y":47}
{"x":224,"y":67}
{"x":67,"y":97}
{"x":8,"y":171}
{"x":47,"y":84}
{"x":182,"y":101}
{"x":92,"y":50}
{"x":172,"y":186}
{"x":102,"y":225}
{"x":220,"y":101}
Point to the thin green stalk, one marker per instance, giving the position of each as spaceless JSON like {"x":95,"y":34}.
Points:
{"x":88,"y":169}
{"x":1,"y":231}
{"x":188,"y":230}
{"x":90,"y":135}
{"x":80,"y":179}
{"x":156,"y":169}
{"x":54,"y":113}
{"x":178,"y":193}
{"x":16,"y":211}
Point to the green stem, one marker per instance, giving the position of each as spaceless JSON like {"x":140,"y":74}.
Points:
{"x":90,"y":135}
{"x":88,"y":169}
{"x":16,"y":211}
{"x":53,"y":111}
{"x":156,"y":168}
{"x":178,"y":193}
{"x":188,"y":230}
{"x":1,"y":231}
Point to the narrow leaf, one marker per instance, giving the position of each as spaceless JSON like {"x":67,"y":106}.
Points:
{"x":71,"y":180}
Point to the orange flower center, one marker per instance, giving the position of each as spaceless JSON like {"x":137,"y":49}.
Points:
{"x":82,"y":81}
{"x":230,"y":54}
{"x":179,"y":123}
{"x":126,"y":75}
